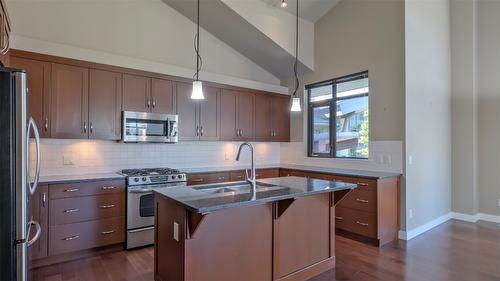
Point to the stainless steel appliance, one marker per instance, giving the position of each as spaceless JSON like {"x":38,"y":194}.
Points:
{"x":149,"y":127}
{"x":17,"y":230}
{"x":140,"y":201}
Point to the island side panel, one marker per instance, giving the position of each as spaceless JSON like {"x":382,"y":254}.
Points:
{"x":232,"y":244}
{"x":303,"y":238}
{"x":169,"y":253}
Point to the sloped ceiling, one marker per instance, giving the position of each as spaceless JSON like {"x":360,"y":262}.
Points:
{"x":311,"y":10}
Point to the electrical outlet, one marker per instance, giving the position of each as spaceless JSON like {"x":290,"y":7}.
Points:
{"x":387,"y":159}
{"x":498,"y":202}
{"x":68,"y":160}
{"x":410,"y":160}
{"x":410,"y":213}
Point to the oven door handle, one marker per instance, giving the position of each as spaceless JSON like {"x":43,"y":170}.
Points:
{"x":140,"y":190}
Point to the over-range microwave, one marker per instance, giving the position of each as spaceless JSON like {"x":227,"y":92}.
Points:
{"x":149,"y":127}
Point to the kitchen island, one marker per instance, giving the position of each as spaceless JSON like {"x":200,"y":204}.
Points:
{"x":218,"y":232}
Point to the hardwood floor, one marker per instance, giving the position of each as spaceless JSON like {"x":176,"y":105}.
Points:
{"x":452,"y":251}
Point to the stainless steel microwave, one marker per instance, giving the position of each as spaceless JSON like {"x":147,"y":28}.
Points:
{"x":149,"y":127}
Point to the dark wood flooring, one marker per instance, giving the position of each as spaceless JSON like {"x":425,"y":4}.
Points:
{"x":452,"y":251}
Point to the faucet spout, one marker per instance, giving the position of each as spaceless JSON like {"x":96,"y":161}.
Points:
{"x":249,"y":177}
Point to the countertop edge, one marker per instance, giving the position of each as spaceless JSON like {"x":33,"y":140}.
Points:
{"x":79,"y":178}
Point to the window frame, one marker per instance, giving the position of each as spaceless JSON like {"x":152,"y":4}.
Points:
{"x":332,"y":103}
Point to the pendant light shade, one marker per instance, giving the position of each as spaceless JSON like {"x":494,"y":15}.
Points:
{"x":283,"y":4}
{"x":296,"y":105}
{"x":197,"y":93}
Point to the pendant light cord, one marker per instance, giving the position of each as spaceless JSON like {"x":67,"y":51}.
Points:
{"x":295,"y":65}
{"x":199,"y":61}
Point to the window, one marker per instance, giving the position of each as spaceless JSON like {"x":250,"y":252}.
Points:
{"x":338,"y":117}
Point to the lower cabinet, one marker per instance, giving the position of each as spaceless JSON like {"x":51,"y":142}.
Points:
{"x":238,"y":175}
{"x":77,"y":216}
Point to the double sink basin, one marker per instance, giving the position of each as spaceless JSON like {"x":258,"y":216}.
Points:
{"x":228,"y":188}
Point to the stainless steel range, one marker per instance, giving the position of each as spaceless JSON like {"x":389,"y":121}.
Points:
{"x":140,"y":201}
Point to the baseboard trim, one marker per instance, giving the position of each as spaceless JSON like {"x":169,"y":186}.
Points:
{"x":408,"y":235}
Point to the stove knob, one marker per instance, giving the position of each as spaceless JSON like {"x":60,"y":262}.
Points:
{"x":136,"y":179}
{"x":173,"y":177}
{"x":179,"y":176}
{"x":144,"y":179}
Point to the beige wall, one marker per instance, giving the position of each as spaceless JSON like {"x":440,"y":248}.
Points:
{"x":358,"y":35}
{"x":428,"y":111}
{"x":488,"y":43}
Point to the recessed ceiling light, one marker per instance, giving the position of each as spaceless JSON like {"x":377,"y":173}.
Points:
{"x":283,"y":4}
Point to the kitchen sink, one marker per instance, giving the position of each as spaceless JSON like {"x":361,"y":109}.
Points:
{"x":230,"y":187}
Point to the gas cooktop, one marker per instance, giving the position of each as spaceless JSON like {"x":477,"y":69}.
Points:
{"x":153,"y":176}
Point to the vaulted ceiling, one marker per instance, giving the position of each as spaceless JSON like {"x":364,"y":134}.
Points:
{"x":311,"y":10}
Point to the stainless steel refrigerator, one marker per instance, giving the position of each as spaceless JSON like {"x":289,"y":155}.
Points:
{"x":17,"y":230}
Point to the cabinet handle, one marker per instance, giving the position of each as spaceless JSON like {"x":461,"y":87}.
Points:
{"x":71,"y":238}
{"x":221,"y":178}
{"x":107,"y":206}
{"x":237,"y":132}
{"x":197,"y":180}
{"x":362,"y":223}
{"x":148,"y":102}
{"x":44,"y":198}
{"x":108,"y":187}
{"x":154,"y":103}
{"x":71,"y":210}
{"x":71,"y":190}
{"x":201,"y":131}
{"x":108,"y":232}
{"x":361,"y":200}
{"x":339,"y":218}
{"x":314,"y":155}
{"x":197,"y":131}
{"x":362,"y":184}
{"x":46,"y":125}
{"x":91,"y":127}
{"x":85,"y":126}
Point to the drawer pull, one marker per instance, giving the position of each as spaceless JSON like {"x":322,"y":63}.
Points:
{"x":71,"y":210}
{"x":108,"y":187}
{"x":71,"y":238}
{"x":197,"y":180}
{"x":339,"y":218}
{"x":240,"y":176}
{"x":108,"y":232}
{"x":362,"y":223}
{"x":107,"y":206}
{"x":361,"y":200}
{"x":362,"y":184}
{"x":221,"y":178}
{"x":71,"y":190}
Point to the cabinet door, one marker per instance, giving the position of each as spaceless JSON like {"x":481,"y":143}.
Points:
{"x":228,"y":115}
{"x":136,"y":93}
{"x":209,"y":114}
{"x":281,"y":119}
{"x":245,"y":113}
{"x":39,"y":210}
{"x":38,"y":80}
{"x":186,"y":109}
{"x":263,"y":131}
{"x":162,"y":96}
{"x":69,"y":102}
{"x":105,"y":93}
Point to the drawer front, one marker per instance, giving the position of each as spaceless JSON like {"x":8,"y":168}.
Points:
{"x":360,"y":199}
{"x":237,"y":175}
{"x":363,"y":184}
{"x":267,"y":173}
{"x":355,"y":221}
{"x":79,"y":209}
{"x":85,"y":235}
{"x":64,"y":190}
{"x":290,"y":173}
{"x":207,"y":178}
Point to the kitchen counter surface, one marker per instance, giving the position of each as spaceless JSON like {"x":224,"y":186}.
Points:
{"x":224,"y":169}
{"x":80,"y":178}
{"x":208,"y":198}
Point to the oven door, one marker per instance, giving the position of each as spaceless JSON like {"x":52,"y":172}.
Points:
{"x":140,"y":208}
{"x":149,"y":127}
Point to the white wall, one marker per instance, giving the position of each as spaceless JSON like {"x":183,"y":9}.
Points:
{"x":428,"y":111}
{"x":147,"y":35}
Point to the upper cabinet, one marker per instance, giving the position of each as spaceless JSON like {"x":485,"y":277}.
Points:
{"x":69,"y":101}
{"x":162,"y":96}
{"x":38,"y":82}
{"x":280,"y":117}
{"x":263,"y":122}
{"x":136,"y":93}
{"x":4,"y":34}
{"x":198,"y":119}
{"x":105,"y":95}
{"x":237,"y":115}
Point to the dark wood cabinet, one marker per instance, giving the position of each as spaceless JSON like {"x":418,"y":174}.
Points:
{"x":136,"y":93}
{"x":206,"y":178}
{"x":69,"y":102}
{"x":263,"y":121}
{"x":38,"y":82}
{"x":198,"y":119}
{"x":280,"y":119}
{"x":39,"y":210}
{"x":237,"y":115}
{"x":4,"y":34}
{"x":162,"y":96}
{"x":105,"y":94}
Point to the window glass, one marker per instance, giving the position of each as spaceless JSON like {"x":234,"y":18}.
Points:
{"x":321,"y":130}
{"x":352,"y":127}
{"x":352,"y":88}
{"x":321,"y":93}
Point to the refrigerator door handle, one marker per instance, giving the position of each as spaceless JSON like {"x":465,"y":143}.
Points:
{"x":37,"y":233}
{"x":34,"y":185}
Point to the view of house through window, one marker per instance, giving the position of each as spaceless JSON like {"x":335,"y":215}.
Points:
{"x":338,"y":117}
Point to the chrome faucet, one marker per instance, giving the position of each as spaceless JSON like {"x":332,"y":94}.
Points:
{"x":250,"y":178}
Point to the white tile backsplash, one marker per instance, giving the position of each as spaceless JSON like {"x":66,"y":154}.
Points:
{"x":68,"y":157}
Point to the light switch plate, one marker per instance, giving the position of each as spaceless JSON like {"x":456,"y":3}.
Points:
{"x":176,"y":231}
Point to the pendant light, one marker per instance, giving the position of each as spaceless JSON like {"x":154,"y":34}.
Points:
{"x":296,"y":100}
{"x":283,"y":4}
{"x":197,"y":93}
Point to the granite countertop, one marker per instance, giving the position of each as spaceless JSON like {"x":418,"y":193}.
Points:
{"x":224,"y":169}
{"x":212,"y":197}
{"x":80,"y":178}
